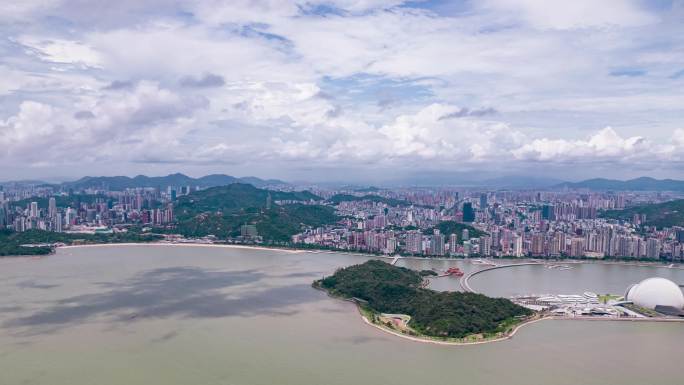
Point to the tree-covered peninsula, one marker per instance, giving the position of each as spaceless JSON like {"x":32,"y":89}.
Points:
{"x":382,"y":289}
{"x":39,"y":242}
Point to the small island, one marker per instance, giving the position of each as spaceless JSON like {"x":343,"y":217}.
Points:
{"x":394,"y":299}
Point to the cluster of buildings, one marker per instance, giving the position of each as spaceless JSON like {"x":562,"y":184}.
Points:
{"x":87,"y":212}
{"x":412,"y":221}
{"x":501,"y":223}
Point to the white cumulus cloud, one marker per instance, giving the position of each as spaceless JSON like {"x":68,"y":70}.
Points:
{"x":605,"y":144}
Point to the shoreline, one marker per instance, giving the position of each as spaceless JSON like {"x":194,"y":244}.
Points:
{"x":436,"y":341}
{"x":428,"y":339}
{"x":188,"y":244}
{"x":367,"y":255}
{"x":511,"y":334}
{"x":422,"y":339}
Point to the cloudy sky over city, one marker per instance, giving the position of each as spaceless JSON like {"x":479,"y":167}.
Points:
{"x":357,"y":90}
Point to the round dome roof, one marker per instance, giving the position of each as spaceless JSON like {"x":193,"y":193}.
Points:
{"x":656,"y":291}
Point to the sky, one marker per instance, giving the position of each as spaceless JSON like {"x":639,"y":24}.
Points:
{"x":342,"y":90}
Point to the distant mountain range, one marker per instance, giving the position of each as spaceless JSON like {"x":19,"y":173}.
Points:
{"x":519,"y":182}
{"x":118,"y":183}
{"x":638,"y":184}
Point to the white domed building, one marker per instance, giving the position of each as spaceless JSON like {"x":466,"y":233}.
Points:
{"x":656,"y":291}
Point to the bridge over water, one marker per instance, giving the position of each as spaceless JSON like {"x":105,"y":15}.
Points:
{"x":465,"y":284}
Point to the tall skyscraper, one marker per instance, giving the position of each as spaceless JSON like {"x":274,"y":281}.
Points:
{"x":485,"y":245}
{"x":68,"y":216}
{"x":391,"y":245}
{"x":33,"y":212}
{"x":52,"y":207}
{"x":679,"y":235}
{"x":437,"y":244}
{"x":467,"y":248}
{"x":577,"y":247}
{"x":537,"y":244}
{"x":468,"y":212}
{"x":453,"y":241}
{"x":57,"y":223}
{"x":414,"y":242}
{"x":518,"y":246}
{"x":483,"y":201}
{"x":20,"y":224}
{"x":652,"y":248}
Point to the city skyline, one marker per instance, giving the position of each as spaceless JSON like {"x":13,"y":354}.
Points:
{"x":342,"y":90}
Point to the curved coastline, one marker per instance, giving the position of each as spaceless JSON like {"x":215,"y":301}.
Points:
{"x":425,"y":339}
{"x":189,"y":244}
{"x":679,"y":266}
{"x":512,"y":333}
{"x":428,"y":340}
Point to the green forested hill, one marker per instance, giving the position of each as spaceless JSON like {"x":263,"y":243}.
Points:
{"x":236,"y":197}
{"x":336,"y":199}
{"x":452,"y":227}
{"x":638,"y":184}
{"x":392,"y":289}
{"x":221,"y":211}
{"x":666,"y":214}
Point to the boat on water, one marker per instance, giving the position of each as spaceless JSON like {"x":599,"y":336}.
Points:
{"x":454,"y":271}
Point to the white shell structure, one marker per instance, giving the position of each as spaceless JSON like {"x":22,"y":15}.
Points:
{"x":655,"y":291}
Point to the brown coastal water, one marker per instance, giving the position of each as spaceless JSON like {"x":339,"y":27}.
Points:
{"x":189,"y":315}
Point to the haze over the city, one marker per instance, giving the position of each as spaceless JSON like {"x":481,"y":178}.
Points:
{"x":355,"y":90}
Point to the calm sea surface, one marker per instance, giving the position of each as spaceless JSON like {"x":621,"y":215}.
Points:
{"x":194,"y":315}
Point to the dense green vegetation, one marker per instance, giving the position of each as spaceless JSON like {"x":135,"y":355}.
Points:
{"x":338,"y":198}
{"x":11,"y":242}
{"x":236,"y":197}
{"x":221,"y":211}
{"x":666,"y":214}
{"x":392,"y":289}
{"x":10,"y":245}
{"x":452,"y":227}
